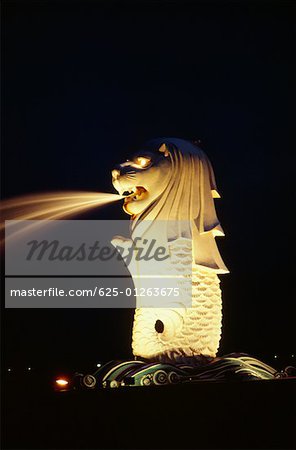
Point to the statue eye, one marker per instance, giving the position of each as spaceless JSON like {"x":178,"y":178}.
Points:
{"x":142,"y":161}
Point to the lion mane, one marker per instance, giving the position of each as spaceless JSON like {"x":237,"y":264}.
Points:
{"x":187,"y":203}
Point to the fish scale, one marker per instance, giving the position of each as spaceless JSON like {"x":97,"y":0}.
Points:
{"x":189,"y":331}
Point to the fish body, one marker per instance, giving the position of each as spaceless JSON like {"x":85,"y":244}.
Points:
{"x":184,"y":330}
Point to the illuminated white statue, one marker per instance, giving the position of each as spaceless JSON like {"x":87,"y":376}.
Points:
{"x":169,"y":187}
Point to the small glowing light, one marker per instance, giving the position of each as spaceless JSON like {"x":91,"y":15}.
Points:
{"x":292,"y":356}
{"x":9,"y":370}
{"x":275,"y":356}
{"x":62,"y":382}
{"x":99,"y":365}
{"x":29,"y":368}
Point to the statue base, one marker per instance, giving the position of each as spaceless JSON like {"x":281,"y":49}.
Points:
{"x":232,"y":367}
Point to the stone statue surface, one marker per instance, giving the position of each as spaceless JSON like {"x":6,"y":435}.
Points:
{"x":169,"y":188}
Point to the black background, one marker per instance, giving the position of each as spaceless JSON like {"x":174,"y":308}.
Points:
{"x":85,"y":83}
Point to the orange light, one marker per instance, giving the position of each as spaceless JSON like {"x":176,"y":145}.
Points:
{"x":62,"y":382}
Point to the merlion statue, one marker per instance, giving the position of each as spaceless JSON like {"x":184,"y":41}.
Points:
{"x":169,"y":189}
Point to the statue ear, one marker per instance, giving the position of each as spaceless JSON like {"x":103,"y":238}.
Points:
{"x":215,"y":193}
{"x":163,"y":149}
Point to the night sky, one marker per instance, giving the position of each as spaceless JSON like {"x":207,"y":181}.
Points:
{"x":86,"y":83}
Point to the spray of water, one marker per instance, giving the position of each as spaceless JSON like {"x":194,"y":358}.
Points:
{"x":53,"y":205}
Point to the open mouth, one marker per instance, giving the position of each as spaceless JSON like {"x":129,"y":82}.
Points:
{"x":134,"y":194}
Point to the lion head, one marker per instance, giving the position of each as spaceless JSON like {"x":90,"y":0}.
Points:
{"x":172,"y":180}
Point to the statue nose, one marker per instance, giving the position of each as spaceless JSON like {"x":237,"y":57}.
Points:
{"x":115,"y":174}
